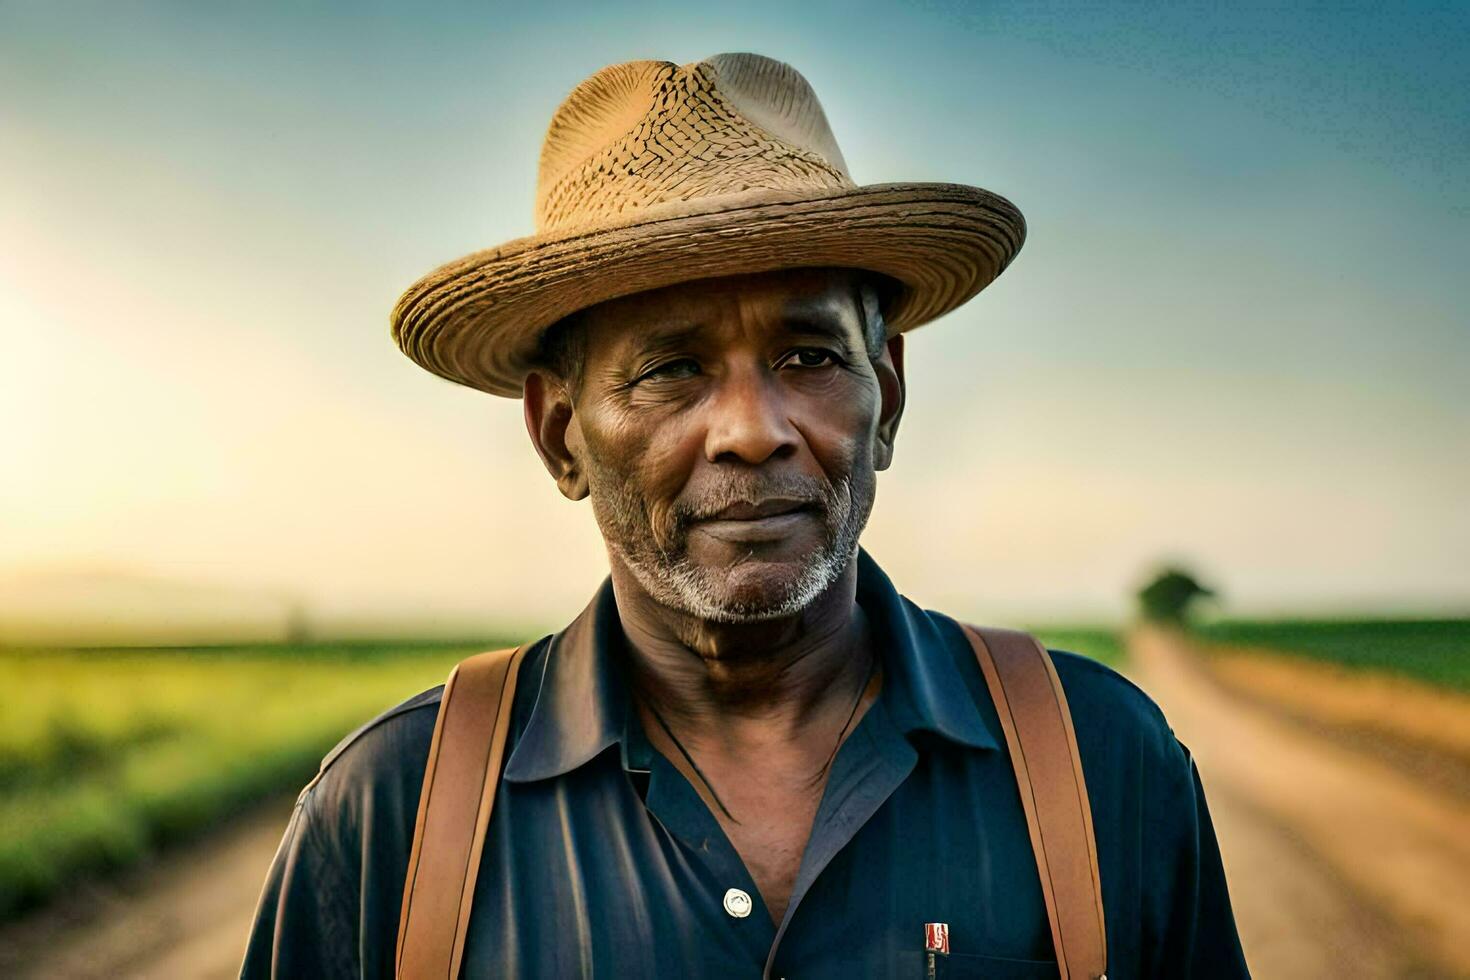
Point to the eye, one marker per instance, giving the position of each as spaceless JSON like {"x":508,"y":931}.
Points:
{"x":683,"y":367}
{"x":813,"y":357}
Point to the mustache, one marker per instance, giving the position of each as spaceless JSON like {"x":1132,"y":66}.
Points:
{"x":752,"y":489}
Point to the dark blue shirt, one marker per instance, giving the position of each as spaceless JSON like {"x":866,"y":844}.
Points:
{"x":602,"y":860}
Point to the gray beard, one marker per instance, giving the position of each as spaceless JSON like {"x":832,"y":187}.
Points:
{"x":672,"y":579}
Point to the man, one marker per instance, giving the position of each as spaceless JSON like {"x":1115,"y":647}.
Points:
{"x":750,"y":755}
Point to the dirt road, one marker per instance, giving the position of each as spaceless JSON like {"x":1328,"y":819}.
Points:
{"x":184,"y":916}
{"x":1339,"y":866}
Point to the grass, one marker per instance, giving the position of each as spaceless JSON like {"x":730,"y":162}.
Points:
{"x":1098,"y":642}
{"x":1433,"y":651}
{"x":105,"y":755}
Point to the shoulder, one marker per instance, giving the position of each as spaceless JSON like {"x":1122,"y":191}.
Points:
{"x":1099,"y":693}
{"x":336,"y":877}
{"x":375,"y":771}
{"x":1127,"y":744}
{"x":382,"y":762}
{"x":1114,"y":719}
{"x":386,"y":737}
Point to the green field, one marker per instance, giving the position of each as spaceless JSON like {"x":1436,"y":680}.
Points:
{"x":1097,"y":642}
{"x":105,"y":755}
{"x":1436,"y":651}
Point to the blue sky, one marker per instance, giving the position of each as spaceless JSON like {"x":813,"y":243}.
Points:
{"x":1236,"y":334}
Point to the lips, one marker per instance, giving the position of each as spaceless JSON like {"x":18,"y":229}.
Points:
{"x":770,"y":507}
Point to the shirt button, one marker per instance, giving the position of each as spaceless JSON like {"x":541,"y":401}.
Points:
{"x":737,"y":903}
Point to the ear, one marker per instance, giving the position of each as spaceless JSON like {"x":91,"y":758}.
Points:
{"x":554,"y":432}
{"x":889,"y":368}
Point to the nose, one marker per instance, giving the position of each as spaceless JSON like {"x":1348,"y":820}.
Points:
{"x":748,"y":421}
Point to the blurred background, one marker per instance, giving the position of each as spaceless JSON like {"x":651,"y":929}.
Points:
{"x":1211,"y":426}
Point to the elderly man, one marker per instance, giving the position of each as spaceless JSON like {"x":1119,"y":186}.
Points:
{"x":750,"y":755}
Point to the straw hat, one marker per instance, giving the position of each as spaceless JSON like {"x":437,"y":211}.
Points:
{"x":654,"y":173}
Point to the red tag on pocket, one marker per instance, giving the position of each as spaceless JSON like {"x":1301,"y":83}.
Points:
{"x":936,"y":937}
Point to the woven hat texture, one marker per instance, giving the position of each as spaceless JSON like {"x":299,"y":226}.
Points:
{"x":653,"y":173}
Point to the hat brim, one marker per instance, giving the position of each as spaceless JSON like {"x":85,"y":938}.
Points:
{"x":476,"y":321}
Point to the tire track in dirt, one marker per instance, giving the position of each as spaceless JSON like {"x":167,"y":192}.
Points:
{"x":1338,"y":865}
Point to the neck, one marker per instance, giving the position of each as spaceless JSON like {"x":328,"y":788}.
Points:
{"x":726,"y":681}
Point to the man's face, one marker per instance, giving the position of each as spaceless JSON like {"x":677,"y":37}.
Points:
{"x":728,"y":431}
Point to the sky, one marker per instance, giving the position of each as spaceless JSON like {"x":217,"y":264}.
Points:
{"x":1236,"y":336}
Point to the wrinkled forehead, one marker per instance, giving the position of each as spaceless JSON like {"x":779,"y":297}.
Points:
{"x":826,"y":299}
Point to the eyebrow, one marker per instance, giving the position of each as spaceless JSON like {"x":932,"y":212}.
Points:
{"x":820,"y":325}
{"x":812,"y":315}
{"x":798,"y":316}
{"x":657,"y":340}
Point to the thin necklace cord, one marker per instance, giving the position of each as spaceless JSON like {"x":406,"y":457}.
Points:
{"x":862,"y":688}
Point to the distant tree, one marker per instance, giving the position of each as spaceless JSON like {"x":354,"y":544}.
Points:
{"x":1167,"y":599}
{"x":298,"y":623}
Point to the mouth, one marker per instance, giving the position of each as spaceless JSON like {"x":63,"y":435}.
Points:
{"x":769,"y":520}
{"x":771,"y":507}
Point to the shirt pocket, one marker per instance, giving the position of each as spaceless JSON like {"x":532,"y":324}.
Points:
{"x":965,"y":966}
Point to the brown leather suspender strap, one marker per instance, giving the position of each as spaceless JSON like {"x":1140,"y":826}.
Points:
{"x":468,"y":747}
{"x":454,"y":810}
{"x":1038,"y":729}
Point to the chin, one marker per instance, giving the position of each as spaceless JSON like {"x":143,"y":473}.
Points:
{"x":757,"y":584}
{"x":753,"y":589}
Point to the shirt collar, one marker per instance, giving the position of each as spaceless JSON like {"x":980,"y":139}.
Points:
{"x":923,"y":687}
{"x":583,"y":703}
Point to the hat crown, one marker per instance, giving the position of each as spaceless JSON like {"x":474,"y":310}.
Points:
{"x":643,"y":133}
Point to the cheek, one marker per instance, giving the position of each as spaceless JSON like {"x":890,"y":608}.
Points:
{"x":663,"y":472}
{"x":651,"y":457}
{"x":840,"y":425}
